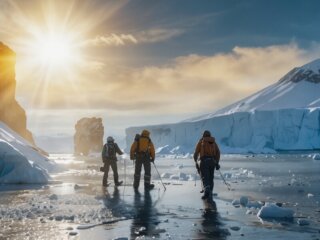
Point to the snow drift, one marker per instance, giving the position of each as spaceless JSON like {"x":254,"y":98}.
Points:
{"x":20,"y":161}
{"x":284,"y":116}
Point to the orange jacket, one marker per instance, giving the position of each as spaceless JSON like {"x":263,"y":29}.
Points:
{"x":199,"y":150}
{"x":145,"y":144}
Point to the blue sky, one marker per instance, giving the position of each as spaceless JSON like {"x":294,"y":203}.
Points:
{"x":209,"y":27}
{"x":142,"y":62}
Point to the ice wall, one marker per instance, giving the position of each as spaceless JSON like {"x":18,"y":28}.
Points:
{"x":239,"y":132}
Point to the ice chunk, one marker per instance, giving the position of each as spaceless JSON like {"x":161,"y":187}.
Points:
{"x":303,"y":222}
{"x":165,"y":175}
{"x":316,"y":156}
{"x":183,"y":177}
{"x":244,"y":200}
{"x":235,"y":202}
{"x":32,"y":153}
{"x":53,"y":197}
{"x":174,"y":177}
{"x":15,"y":167}
{"x":227,"y":175}
{"x":271,"y":210}
{"x":310,"y":195}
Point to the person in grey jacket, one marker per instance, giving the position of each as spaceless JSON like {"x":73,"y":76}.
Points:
{"x":109,"y":158}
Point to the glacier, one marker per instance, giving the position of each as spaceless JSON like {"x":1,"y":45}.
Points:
{"x":282,"y":117}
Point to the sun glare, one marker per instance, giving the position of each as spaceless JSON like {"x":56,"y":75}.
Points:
{"x":55,"y":50}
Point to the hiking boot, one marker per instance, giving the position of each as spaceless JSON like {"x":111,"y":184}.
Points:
{"x":148,"y":186}
{"x":205,"y":196}
{"x":119,"y":183}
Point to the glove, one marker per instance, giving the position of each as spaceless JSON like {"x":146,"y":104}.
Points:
{"x":198,"y":168}
{"x":152,"y":160}
{"x":217,"y":166}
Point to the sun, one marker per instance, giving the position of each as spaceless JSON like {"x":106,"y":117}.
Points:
{"x":55,"y":50}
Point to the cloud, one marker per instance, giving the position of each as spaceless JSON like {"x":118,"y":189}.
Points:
{"x":112,"y":40}
{"x":149,"y":36}
{"x":158,"y":35}
{"x":192,"y":83}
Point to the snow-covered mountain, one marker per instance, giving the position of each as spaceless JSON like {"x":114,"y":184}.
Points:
{"x":20,"y":161}
{"x":283,"y":116}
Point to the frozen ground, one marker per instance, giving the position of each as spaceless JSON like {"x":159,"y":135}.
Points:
{"x":75,"y":206}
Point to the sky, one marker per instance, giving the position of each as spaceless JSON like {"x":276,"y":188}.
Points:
{"x":149,"y":62}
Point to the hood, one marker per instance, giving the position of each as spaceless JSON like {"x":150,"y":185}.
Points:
{"x":209,"y":139}
{"x":145,"y":133}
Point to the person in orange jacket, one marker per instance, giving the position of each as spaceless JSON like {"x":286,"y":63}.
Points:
{"x":209,"y":153}
{"x":142,"y":150}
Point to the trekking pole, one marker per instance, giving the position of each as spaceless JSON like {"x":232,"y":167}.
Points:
{"x":159,"y":176}
{"x":227,"y":184}
{"x":125,"y":171}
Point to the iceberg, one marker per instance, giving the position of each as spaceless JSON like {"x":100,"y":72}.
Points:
{"x":22,"y":162}
{"x":15,"y":167}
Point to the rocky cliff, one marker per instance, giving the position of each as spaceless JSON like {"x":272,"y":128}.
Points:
{"x":89,"y":136}
{"x":11,"y":112}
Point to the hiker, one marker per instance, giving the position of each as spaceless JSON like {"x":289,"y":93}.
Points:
{"x":142,"y":150}
{"x":109,"y":158}
{"x":209,"y":153}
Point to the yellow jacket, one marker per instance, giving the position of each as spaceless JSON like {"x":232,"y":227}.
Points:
{"x":144,"y":144}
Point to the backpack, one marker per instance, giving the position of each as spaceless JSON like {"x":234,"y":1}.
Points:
{"x":207,"y":149}
{"x":110,"y":151}
{"x":143,"y":146}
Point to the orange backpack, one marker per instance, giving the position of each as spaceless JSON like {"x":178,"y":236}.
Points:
{"x":207,"y":149}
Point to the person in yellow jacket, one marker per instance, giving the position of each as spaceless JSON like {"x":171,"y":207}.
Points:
{"x":142,"y":150}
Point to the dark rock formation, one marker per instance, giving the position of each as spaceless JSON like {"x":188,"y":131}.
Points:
{"x":89,"y":136}
{"x":11,"y":113}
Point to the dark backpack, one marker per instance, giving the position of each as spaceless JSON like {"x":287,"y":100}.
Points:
{"x":110,"y":151}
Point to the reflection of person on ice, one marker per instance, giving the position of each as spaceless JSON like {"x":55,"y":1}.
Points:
{"x":209,"y":153}
{"x":109,"y":158}
{"x":142,"y":150}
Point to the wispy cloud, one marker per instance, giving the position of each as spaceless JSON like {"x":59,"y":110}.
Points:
{"x":149,"y":36}
{"x":158,"y":35}
{"x":112,"y":40}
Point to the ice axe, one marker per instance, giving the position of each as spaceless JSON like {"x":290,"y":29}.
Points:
{"x":159,"y":176}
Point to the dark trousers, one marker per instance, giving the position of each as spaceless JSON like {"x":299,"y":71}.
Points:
{"x":114,"y":167}
{"x":207,"y":166}
{"x":137,"y":172}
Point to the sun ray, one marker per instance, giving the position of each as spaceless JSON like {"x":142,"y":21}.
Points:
{"x":50,"y":42}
